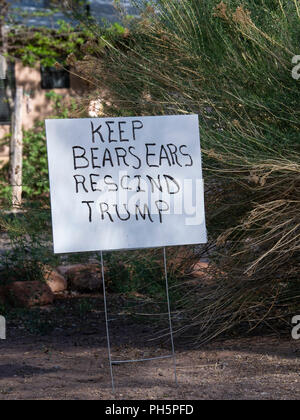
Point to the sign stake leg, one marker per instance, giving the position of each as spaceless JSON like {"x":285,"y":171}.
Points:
{"x":106,"y":322}
{"x":170,"y":318}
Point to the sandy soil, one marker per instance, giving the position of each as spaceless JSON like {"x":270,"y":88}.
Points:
{"x":61,"y":353}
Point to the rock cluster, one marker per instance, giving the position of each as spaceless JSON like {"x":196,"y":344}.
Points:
{"x":78,"y":277}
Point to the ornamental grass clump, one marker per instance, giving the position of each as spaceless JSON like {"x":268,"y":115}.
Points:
{"x":230,"y":62}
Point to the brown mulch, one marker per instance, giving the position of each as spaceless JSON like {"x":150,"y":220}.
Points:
{"x":60,"y":352}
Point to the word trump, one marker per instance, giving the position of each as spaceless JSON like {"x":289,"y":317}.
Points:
{"x":141,"y":211}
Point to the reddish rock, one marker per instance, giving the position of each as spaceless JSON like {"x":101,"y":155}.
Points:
{"x":82,"y":277}
{"x":55,"y":281}
{"x":29,"y":293}
{"x":202,"y":274}
{"x":206,"y":273}
{"x":200,"y":269}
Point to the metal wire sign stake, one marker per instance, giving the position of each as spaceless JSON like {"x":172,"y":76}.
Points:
{"x":126,"y":183}
{"x":116,"y":362}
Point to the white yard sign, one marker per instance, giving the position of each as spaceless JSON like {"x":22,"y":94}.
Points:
{"x":121,"y":183}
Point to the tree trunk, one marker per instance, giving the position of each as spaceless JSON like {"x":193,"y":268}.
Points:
{"x":16,"y":148}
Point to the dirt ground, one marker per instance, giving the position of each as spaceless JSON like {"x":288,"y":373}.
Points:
{"x":60,"y":352}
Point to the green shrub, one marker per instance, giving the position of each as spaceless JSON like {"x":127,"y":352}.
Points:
{"x":35,"y":165}
{"x":29,"y":233}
